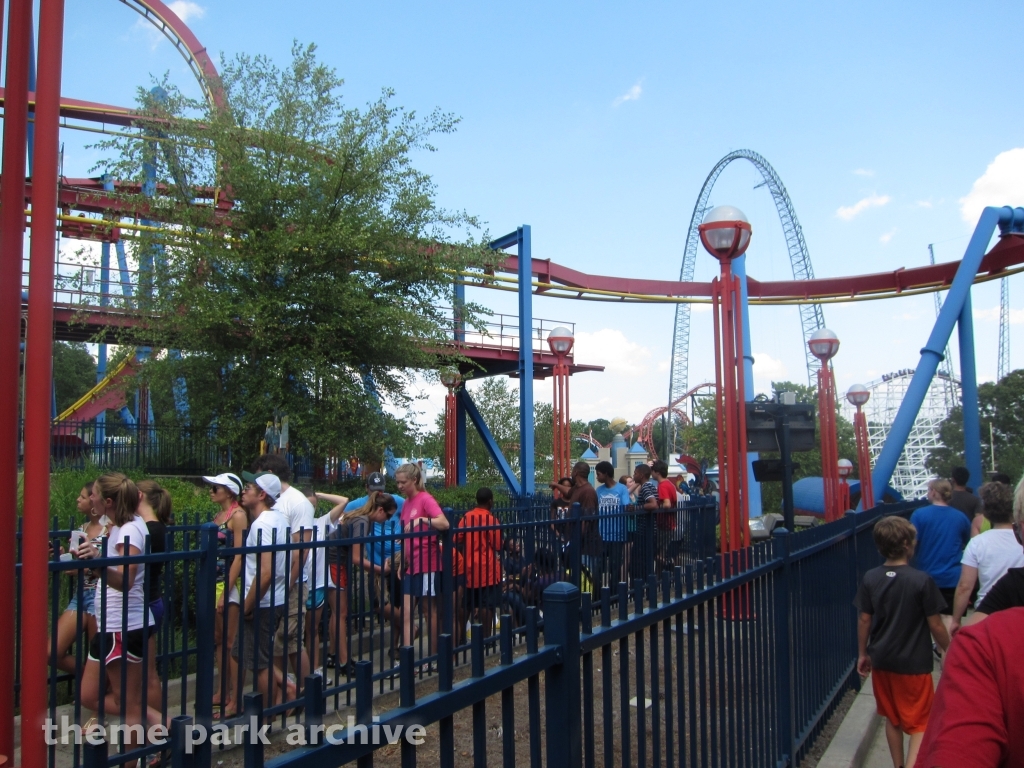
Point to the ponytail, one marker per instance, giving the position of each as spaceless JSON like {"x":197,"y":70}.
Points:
{"x":123,"y":492}
{"x":159,"y":499}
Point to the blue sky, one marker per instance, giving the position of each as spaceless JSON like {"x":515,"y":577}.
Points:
{"x":596,"y":123}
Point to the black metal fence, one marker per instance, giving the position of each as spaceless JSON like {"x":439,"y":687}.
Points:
{"x":117,"y":445}
{"x":656,"y":649}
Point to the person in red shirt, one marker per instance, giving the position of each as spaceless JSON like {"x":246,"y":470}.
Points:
{"x":667,"y":493}
{"x":479,"y":538}
{"x":977,"y":718}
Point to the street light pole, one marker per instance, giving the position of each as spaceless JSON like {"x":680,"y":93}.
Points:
{"x":451,"y":379}
{"x":824,"y":345}
{"x":560,"y":342}
{"x":725,"y":234}
{"x":858,"y":395}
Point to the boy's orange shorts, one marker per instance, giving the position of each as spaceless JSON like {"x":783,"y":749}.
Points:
{"x":905,"y":700}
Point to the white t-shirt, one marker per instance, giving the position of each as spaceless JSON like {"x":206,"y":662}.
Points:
{"x":135,"y":531}
{"x":992,"y":553}
{"x":269,"y":528}
{"x":322,"y":528}
{"x":299,"y":514}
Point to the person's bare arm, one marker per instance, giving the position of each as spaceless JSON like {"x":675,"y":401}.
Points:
{"x":975,"y":618}
{"x":938,"y":630}
{"x":962,"y":596}
{"x":976,"y":524}
{"x":333,"y":498}
{"x":440,"y":523}
{"x":651,"y":503}
{"x":863,"y":630}
{"x":257,"y":591}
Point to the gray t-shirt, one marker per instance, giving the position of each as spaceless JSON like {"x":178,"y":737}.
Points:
{"x":899,"y":599}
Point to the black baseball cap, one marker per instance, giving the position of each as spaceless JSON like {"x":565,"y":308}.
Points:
{"x":375,"y":482}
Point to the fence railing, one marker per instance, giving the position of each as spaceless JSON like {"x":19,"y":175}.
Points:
{"x":154,"y":449}
{"x":656,"y":649}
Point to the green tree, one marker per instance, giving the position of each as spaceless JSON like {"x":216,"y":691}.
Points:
{"x":1001,"y":408}
{"x":74,"y":372}
{"x":498,"y":404}
{"x":701,"y":441}
{"x":325,"y":283}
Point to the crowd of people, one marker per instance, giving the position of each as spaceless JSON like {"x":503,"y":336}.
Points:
{"x":288,"y":579}
{"x":960,"y":550}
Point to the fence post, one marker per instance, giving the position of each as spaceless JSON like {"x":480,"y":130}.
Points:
{"x":784,"y":643}
{"x":206,"y":605}
{"x":94,"y":755}
{"x":253,"y":747}
{"x":563,"y":698}
{"x":852,"y":516}
{"x":447,"y":577}
{"x":181,"y":734}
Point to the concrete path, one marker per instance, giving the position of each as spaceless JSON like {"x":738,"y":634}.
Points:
{"x":860,"y":741}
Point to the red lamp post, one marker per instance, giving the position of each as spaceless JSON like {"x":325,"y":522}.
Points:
{"x":560,"y":341}
{"x":858,"y":395}
{"x":824,"y":344}
{"x":725,"y":234}
{"x":452,"y":380}
{"x":845,"y":468}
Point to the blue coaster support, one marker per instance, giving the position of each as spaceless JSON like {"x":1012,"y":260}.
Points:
{"x":956,"y":310}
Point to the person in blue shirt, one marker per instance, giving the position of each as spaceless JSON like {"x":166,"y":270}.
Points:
{"x":942,"y":533}
{"x":385,"y":547}
{"x":612,"y":501}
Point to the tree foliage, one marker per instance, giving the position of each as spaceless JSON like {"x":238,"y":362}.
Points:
{"x":1001,"y":407}
{"x":328,"y":280}
{"x":498,"y":404}
{"x":74,"y":372}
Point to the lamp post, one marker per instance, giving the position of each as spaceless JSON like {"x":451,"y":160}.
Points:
{"x":452,"y":379}
{"x":845,"y":468}
{"x":725,"y":234}
{"x":560,"y":341}
{"x":824,"y":344}
{"x":858,"y":395}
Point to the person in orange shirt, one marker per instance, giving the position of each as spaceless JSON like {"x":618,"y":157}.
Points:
{"x":480,"y":540}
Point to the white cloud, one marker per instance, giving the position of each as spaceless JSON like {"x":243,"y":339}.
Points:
{"x":847,"y":212}
{"x":885,"y":238}
{"x":186,"y":10}
{"x":924,"y":203}
{"x":991,"y":315}
{"x":767,"y":366}
{"x":632,"y":94}
{"x":863,"y":172}
{"x":1001,"y":184}
{"x":610,"y":347}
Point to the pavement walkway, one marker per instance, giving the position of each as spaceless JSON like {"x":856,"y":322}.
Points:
{"x":860,"y":741}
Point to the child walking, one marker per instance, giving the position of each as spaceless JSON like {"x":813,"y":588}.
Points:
{"x":899,"y":606}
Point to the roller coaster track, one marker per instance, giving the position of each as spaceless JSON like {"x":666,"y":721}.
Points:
{"x":811,"y":315}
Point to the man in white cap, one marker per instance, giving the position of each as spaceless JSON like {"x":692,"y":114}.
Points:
{"x":289,"y":647}
{"x":264,"y":602}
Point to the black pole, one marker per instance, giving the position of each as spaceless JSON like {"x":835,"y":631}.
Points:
{"x":782,"y":433}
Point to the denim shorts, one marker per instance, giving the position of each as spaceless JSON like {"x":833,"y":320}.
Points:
{"x":88,"y":602}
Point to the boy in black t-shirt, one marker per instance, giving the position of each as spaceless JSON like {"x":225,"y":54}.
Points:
{"x":899,"y":606}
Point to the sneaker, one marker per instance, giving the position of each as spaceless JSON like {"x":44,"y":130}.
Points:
{"x":331,"y":661}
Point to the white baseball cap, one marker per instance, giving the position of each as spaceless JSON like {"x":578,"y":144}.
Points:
{"x":228,"y":479}
{"x":268,"y":481}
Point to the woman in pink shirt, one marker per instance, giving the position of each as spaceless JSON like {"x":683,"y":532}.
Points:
{"x":421,"y":554}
